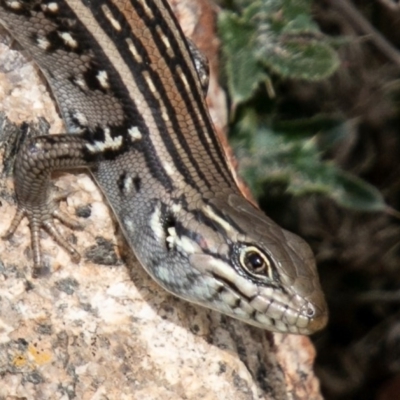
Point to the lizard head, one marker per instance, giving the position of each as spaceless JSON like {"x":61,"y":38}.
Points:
{"x":233,"y":258}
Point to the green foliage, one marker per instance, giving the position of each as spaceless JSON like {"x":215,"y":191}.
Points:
{"x":269,"y":40}
{"x":295,"y":160}
{"x":276,"y":36}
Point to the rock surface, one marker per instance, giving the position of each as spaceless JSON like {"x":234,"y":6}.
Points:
{"x":102,"y":329}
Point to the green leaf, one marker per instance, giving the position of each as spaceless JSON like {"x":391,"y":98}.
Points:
{"x":279,"y":37}
{"x":300,"y":59}
{"x":244,"y":72}
{"x":272,"y":36}
{"x":268,"y":156}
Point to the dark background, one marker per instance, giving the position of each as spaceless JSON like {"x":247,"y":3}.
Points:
{"x":358,"y":253}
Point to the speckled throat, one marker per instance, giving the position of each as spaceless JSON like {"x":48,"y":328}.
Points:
{"x":130,"y":88}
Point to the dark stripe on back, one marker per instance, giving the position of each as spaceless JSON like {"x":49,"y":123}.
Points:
{"x":132,"y":114}
{"x":154,"y":106}
{"x":218,"y":162}
{"x":66,"y":20}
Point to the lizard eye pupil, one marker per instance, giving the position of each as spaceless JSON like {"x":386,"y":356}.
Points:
{"x":255,"y":262}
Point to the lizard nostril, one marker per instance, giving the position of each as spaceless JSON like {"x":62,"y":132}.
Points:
{"x":310,"y":311}
{"x":318,"y":317}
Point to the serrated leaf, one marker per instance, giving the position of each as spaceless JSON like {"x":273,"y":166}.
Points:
{"x":265,"y":155}
{"x":300,"y":59}
{"x":244,"y":72}
{"x":276,"y":35}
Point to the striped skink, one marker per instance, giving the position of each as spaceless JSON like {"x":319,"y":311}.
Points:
{"x":131,"y":96}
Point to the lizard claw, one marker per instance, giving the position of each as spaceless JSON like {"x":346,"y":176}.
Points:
{"x":44,"y":220}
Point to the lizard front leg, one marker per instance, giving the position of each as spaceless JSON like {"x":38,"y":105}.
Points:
{"x":34,"y":164}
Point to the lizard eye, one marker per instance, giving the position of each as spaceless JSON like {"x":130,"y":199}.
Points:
{"x":255,"y":262}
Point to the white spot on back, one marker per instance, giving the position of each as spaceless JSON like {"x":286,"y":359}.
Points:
{"x":102,"y":77}
{"x":79,"y":81}
{"x":164,"y":114}
{"x":52,"y":7}
{"x":171,"y":238}
{"x":115,"y":24}
{"x":184,"y":80}
{"x":81,"y":118}
{"x":147,"y":9}
{"x":150,"y":82}
{"x":176,"y":208}
{"x":108,"y":144}
{"x":15,"y":5}
{"x":156,"y":225}
{"x":134,"y":51}
{"x":68,"y":39}
{"x":169,"y":169}
{"x":134,"y":133}
{"x":43,"y":43}
{"x":163,"y":37}
{"x":165,"y":41}
{"x":128,"y":184}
